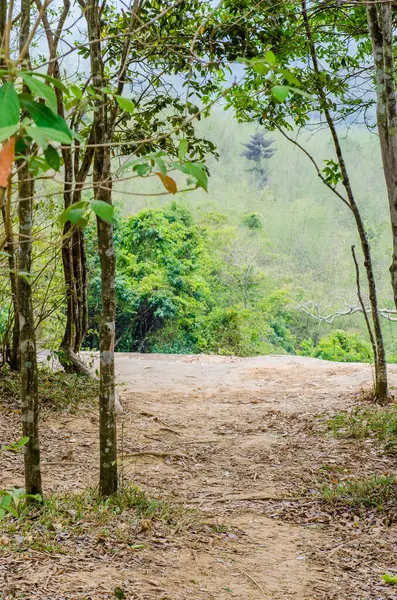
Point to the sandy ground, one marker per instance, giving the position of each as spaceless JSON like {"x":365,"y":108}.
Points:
{"x":238,"y":440}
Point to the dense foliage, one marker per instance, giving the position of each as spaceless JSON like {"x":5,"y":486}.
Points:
{"x":186,"y":285}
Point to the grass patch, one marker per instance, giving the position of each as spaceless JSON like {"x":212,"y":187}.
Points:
{"x":373,"y":492}
{"x":65,"y":519}
{"x":57,"y":390}
{"x":379,"y":423}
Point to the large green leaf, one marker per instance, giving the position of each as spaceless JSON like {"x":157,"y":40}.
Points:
{"x":196,"y":170}
{"x":142,"y":170}
{"x":76,"y":91}
{"x":182,"y":150}
{"x":270,"y":58}
{"x":9,"y":105}
{"x":261,"y":68}
{"x":7,"y":132}
{"x":52,"y":157}
{"x":103,"y":210}
{"x":37,"y":135}
{"x":42,"y":90}
{"x":74,"y":213}
{"x":280,"y":92}
{"x":125,"y":104}
{"x":55,"y":82}
{"x":55,"y":135}
{"x":44,"y":116}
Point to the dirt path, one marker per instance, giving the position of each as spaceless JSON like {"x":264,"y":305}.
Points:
{"x":235,"y":439}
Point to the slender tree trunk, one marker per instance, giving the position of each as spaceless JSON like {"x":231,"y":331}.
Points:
{"x":380,"y":25}
{"x":28,"y":354}
{"x":102,"y":180}
{"x":69,"y":345}
{"x":381,"y":390}
{"x":10,"y":248}
{"x":75,"y":275}
{"x":73,"y":246}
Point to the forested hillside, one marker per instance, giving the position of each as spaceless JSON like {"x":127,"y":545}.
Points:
{"x":232,"y":270}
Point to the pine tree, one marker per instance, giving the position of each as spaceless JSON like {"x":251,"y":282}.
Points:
{"x":257,"y":150}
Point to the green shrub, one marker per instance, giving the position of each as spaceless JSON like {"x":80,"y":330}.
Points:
{"x":339,"y":346}
{"x":234,"y":331}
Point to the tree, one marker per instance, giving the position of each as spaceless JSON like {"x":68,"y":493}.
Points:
{"x":309,"y":91}
{"x":257,"y":150}
{"x":27,"y":338}
{"x":103,"y":123}
{"x":380,"y":23}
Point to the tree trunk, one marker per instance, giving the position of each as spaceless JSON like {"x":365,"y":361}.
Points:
{"x":72,"y":269}
{"x":73,"y":261}
{"x":28,"y":355}
{"x":380,"y":25}
{"x":10,"y":247}
{"x":381,"y":384}
{"x":102,"y":180}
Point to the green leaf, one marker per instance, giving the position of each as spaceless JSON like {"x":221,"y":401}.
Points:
{"x":22,"y":442}
{"x":9,"y":105}
{"x":270,"y":58}
{"x":182,"y":150}
{"x":300,"y":92}
{"x":142,"y":170}
{"x":16,"y":446}
{"x":73,"y":213}
{"x":291,"y":78}
{"x":42,"y":90}
{"x":280,"y":92}
{"x":38,"y":164}
{"x":196,"y":170}
{"x":103,"y":210}
{"x":55,"y":82}
{"x":12,"y":510}
{"x":260,"y":68}
{"x":125,"y":103}
{"x":76,"y":91}
{"x":52,"y":157}
{"x":390,"y":579}
{"x":44,"y":116}
{"x":37,"y":135}
{"x":7,"y":132}
{"x":2,"y":514}
{"x":161,"y":165}
{"x":55,"y":135}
